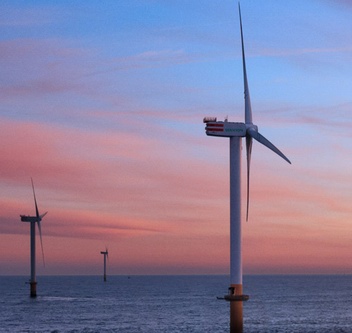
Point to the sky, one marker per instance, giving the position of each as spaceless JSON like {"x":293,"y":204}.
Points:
{"x":102,"y":103}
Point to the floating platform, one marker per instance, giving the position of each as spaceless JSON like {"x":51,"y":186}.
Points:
{"x":235,"y":298}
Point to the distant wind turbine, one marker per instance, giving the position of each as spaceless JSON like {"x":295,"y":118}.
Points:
{"x":33,"y":220}
{"x":235,"y":131}
{"x":106,"y":255}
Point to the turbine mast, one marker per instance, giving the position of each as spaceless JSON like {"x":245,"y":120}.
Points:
{"x":33,"y":281}
{"x":235,"y":131}
{"x":106,"y":254}
{"x":33,"y":220}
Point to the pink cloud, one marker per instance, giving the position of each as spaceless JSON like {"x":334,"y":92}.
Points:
{"x":150,"y":197}
{"x":27,"y":16}
{"x":344,"y":3}
{"x":118,"y":186}
{"x":153,"y":59}
{"x":297,"y":248}
{"x":111,"y":167}
{"x":32,"y":68}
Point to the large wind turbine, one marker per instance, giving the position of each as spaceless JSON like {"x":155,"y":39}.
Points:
{"x":33,"y":220}
{"x":106,"y":255}
{"x":235,"y":131}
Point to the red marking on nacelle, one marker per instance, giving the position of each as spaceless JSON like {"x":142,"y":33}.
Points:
{"x":214,"y":127}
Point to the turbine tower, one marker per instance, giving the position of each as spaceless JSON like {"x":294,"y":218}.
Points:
{"x":33,"y":220}
{"x":106,"y":255}
{"x":235,"y":131}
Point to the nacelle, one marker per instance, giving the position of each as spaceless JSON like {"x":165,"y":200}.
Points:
{"x":27,"y":218}
{"x":225,"y":128}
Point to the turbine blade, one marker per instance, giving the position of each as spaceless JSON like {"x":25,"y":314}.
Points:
{"x":41,"y":216}
{"x":41,"y":240}
{"x":247,"y":99}
{"x":249,"y":143}
{"x":260,"y":138}
{"x":35,"y":200}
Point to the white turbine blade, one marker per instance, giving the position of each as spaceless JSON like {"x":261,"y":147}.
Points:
{"x":247,"y":99}
{"x":41,"y":241}
{"x":35,"y":200}
{"x":260,"y":138}
{"x":249,"y":143}
{"x":41,"y":216}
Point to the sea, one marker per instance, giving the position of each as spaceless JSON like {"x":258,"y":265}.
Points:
{"x":278,"y":303}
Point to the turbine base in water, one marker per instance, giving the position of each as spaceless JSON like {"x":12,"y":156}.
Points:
{"x":235,"y":294}
{"x":236,"y":317}
{"x":236,"y":307}
{"x":33,"y":289}
{"x":236,"y":299}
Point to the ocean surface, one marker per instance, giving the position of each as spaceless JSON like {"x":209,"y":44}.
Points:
{"x":175,"y":304}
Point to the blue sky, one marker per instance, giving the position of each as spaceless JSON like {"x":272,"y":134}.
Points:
{"x":102,"y":104}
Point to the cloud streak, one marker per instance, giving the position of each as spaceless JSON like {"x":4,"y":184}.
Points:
{"x":111,"y":132}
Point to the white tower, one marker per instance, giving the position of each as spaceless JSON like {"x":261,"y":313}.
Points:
{"x":235,"y":131}
{"x":106,"y":255}
{"x":33,"y":220}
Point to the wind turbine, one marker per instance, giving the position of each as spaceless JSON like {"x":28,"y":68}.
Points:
{"x":235,"y":131}
{"x":33,"y":220}
{"x":106,"y":255}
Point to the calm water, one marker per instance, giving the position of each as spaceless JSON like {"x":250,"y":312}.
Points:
{"x":175,"y":304}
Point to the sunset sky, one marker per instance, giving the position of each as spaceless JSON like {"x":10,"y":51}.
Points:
{"x":102,"y":103}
